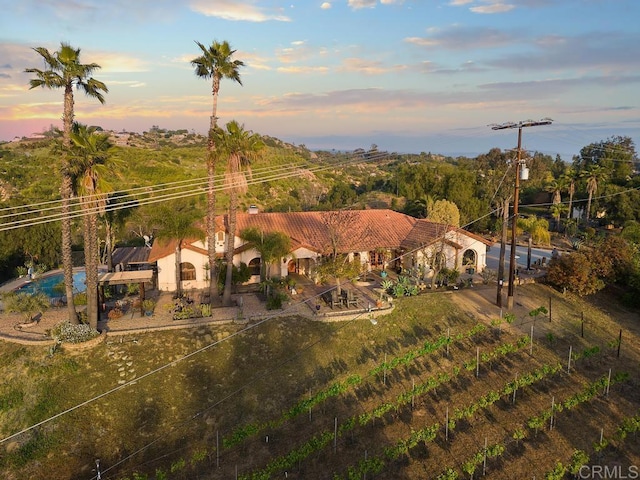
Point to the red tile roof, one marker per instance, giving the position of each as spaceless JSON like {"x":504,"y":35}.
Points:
{"x":358,"y":230}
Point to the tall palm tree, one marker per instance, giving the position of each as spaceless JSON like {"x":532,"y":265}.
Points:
{"x":215,"y":63}
{"x":593,"y":174}
{"x":64,"y":70}
{"x":176,"y":221}
{"x":239,"y":147}
{"x":569,"y":179}
{"x":555,"y":187}
{"x":90,"y":167}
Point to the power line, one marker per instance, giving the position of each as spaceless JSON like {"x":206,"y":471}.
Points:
{"x":177,"y":190}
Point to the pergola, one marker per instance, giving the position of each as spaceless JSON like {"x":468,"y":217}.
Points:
{"x":124,"y":278}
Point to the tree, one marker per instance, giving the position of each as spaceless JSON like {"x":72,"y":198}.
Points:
{"x":574,"y":272}
{"x":271,"y":246}
{"x":557,"y":209}
{"x":176,"y":221}
{"x":569,"y":180}
{"x":114,"y":217}
{"x":215,"y":63}
{"x":616,"y":156}
{"x":90,"y":167}
{"x":64,"y":70}
{"x":444,"y":211}
{"x":538,"y":228}
{"x":340,"y":229}
{"x":593,"y":174}
{"x":239,"y":147}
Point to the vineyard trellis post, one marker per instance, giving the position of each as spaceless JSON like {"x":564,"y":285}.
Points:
{"x":384,"y":371}
{"x":413,"y":389}
{"x":515,"y":388}
{"x":531,"y":342}
{"x":484,"y":459}
{"x":608,"y":383}
{"x":619,"y":342}
{"x":569,"y":360}
{"x":477,"y":362}
{"x":448,"y":340}
{"x":446,"y":425}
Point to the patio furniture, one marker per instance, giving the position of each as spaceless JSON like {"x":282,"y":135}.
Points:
{"x":335,"y":300}
{"x":350,"y":298}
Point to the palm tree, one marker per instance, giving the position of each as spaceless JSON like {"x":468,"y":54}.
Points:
{"x":593,"y":174}
{"x":555,"y":187}
{"x":64,"y":70}
{"x":569,"y":179}
{"x":89,"y":168}
{"x":271,"y":246}
{"x":114,"y":217}
{"x":176,"y":221}
{"x":240,"y":147}
{"x":215,"y":63}
{"x":556,"y":211}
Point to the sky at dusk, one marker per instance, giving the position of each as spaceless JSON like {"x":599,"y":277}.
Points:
{"x":409,"y":76}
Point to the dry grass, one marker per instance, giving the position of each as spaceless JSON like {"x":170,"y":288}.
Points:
{"x":204,"y":389}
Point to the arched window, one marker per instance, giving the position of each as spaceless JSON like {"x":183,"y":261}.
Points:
{"x":254,"y":266}
{"x":187,"y":271}
{"x":469,"y":258}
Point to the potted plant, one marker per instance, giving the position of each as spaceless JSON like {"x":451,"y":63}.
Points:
{"x":148,"y":305}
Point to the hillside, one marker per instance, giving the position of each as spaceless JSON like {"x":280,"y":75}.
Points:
{"x":151,"y":168}
{"x":266,"y":403}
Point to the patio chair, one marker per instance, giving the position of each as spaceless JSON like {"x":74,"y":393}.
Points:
{"x":335,"y":300}
{"x":351,"y":299}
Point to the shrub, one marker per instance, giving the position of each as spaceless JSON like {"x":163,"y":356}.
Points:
{"x":80,"y":298}
{"x":25,"y":303}
{"x":114,"y":313}
{"x":274,"y":302}
{"x":148,"y":305}
{"x":66,"y":332}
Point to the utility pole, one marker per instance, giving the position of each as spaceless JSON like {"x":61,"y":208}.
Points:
{"x":503,"y":242}
{"x":516,"y":196}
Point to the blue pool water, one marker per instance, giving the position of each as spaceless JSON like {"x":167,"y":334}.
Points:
{"x":48,"y":283}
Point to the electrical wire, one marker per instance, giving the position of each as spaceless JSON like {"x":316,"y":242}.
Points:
{"x":192,"y":188}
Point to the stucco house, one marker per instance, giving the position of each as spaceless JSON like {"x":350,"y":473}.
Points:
{"x":378,"y":239}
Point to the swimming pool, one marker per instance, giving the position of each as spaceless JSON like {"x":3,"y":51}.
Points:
{"x":47,"y":284}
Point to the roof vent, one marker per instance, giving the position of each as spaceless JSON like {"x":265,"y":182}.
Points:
{"x":253,"y":209}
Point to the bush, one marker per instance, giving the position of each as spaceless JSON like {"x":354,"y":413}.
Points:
{"x":114,"y":313}
{"x":66,"y":332}
{"x":80,"y":298}
{"x":26,"y":304}
{"x":274,"y":301}
{"x":148,"y":305}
